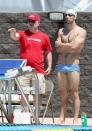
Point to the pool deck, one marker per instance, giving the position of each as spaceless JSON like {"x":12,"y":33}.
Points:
{"x":69,"y":121}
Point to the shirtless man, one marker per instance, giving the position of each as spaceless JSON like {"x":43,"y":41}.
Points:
{"x":69,"y":44}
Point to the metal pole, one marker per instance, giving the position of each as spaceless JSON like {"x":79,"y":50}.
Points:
{"x":36,"y":96}
{"x":8,"y":82}
{"x":4,"y":111}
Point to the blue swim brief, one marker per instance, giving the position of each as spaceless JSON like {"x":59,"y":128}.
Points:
{"x":67,"y":68}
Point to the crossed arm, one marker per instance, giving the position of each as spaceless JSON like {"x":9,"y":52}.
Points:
{"x":74,"y":46}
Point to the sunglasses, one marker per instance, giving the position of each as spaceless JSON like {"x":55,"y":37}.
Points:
{"x":31,"y":21}
{"x":69,"y":15}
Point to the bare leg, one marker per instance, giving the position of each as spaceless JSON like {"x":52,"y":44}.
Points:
{"x":63,"y":106}
{"x":39,"y":101}
{"x":62,"y":83}
{"x":25,"y":85}
{"x":74,"y":79}
{"x":76,"y":107}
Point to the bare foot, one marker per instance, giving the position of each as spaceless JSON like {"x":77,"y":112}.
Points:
{"x":75,"y":121}
{"x":62,"y":120}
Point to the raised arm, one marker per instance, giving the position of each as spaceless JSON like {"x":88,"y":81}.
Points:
{"x":58,"y":42}
{"x":13,"y":34}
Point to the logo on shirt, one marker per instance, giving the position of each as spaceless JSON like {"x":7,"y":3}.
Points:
{"x":34,"y":39}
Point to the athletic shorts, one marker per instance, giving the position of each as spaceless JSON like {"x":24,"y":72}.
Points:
{"x":67,"y":68}
{"x":28,"y":83}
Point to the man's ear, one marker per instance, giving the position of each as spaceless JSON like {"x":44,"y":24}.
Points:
{"x":37,"y":23}
{"x":75,"y":17}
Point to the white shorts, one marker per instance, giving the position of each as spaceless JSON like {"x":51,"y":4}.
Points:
{"x":28,"y":83}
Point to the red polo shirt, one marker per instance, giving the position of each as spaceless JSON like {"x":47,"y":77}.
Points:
{"x":32,"y":48}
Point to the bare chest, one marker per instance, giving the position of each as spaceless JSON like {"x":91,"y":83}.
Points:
{"x":69,"y":36}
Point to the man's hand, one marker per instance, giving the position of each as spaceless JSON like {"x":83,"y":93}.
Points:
{"x":13,"y":34}
{"x":47,"y":71}
{"x":12,"y":30}
{"x":57,"y":44}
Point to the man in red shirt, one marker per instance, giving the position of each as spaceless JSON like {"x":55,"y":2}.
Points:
{"x":33,"y":45}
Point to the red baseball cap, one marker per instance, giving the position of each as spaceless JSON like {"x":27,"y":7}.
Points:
{"x":34,"y":16}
